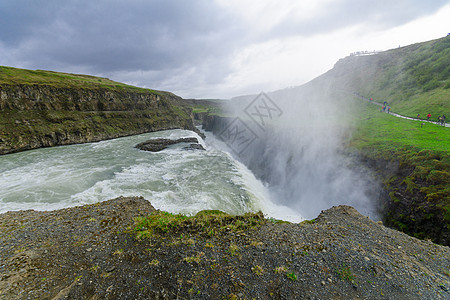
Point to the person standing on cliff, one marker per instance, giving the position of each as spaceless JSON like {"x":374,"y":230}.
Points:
{"x":428,"y":116}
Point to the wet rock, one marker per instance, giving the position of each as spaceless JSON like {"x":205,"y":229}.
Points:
{"x":156,"y":145}
{"x":194,"y":147}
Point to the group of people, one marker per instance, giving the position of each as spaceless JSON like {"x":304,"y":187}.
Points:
{"x":385,"y":107}
{"x":440,"y":119}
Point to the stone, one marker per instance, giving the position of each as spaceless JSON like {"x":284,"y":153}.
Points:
{"x":156,"y":145}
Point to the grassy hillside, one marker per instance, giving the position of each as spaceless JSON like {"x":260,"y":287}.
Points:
{"x":412,"y":159}
{"x":413,"y":79}
{"x":15,"y":76}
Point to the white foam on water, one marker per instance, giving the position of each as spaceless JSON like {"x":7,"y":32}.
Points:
{"x":174,"y":180}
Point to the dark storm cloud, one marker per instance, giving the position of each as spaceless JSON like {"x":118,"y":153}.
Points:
{"x":175,"y":45}
{"x":114,"y":35}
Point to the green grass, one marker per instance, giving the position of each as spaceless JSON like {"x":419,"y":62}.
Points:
{"x":436,"y":102}
{"x":345,"y":273}
{"x":422,"y":150}
{"x":16,"y":76}
{"x":208,"y":222}
{"x":291,"y":276}
{"x":207,"y":109}
{"x":425,"y":149}
{"x":388,"y":133}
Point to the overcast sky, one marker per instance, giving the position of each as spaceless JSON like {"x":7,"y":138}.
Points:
{"x":209,"y":49}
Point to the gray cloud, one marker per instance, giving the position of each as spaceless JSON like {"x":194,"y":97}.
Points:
{"x":111,"y":35}
{"x":374,"y":14}
{"x":175,"y":44}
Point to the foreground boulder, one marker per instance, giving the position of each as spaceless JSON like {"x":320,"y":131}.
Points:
{"x":100,"y":251}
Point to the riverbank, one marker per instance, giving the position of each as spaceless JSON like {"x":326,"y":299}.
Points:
{"x":94,"y":252}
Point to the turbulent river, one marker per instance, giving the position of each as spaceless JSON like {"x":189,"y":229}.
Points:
{"x":174,"y":180}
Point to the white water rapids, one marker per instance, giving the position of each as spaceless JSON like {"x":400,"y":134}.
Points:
{"x":174,"y":180}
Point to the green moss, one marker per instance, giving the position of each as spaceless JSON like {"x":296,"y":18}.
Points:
{"x":291,"y":276}
{"x":393,"y":198}
{"x":308,"y":221}
{"x":345,"y":273}
{"x":204,"y":222}
{"x":410,"y":185}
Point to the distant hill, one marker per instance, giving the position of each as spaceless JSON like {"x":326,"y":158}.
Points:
{"x":412,"y":79}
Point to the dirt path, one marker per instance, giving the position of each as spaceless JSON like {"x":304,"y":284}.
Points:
{"x":397,"y":115}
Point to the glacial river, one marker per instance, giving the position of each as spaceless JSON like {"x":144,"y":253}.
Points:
{"x":174,"y":180}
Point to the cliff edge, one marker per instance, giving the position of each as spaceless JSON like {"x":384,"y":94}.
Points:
{"x":44,"y":108}
{"x":101,"y":251}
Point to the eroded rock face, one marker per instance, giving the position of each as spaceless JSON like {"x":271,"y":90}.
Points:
{"x":156,"y":145}
{"x":35,"y":116}
{"x":41,"y":97}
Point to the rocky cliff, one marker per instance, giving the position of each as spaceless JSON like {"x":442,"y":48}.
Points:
{"x":34,"y":115}
{"x":99,"y":251}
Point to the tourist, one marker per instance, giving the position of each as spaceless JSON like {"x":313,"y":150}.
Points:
{"x":428,"y":116}
{"x":418,"y":116}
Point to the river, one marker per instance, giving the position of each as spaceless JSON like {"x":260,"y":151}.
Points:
{"x":174,"y":180}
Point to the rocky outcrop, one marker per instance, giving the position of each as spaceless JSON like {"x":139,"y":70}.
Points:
{"x":214,"y":123}
{"x":98,"y":252}
{"x":194,"y":147}
{"x":156,"y":145}
{"x":43,"y":97}
{"x":404,"y":206}
{"x":34,"y":116}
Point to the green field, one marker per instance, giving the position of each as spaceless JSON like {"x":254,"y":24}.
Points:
{"x":387,"y":133}
{"x":423,"y":155}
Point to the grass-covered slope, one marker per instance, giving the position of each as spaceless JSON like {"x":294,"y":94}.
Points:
{"x":16,"y":76}
{"x":414,"y":79}
{"x":44,"y":108}
{"x":413,"y":161}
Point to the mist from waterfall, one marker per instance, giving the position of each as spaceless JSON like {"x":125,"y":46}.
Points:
{"x":293,"y":140}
